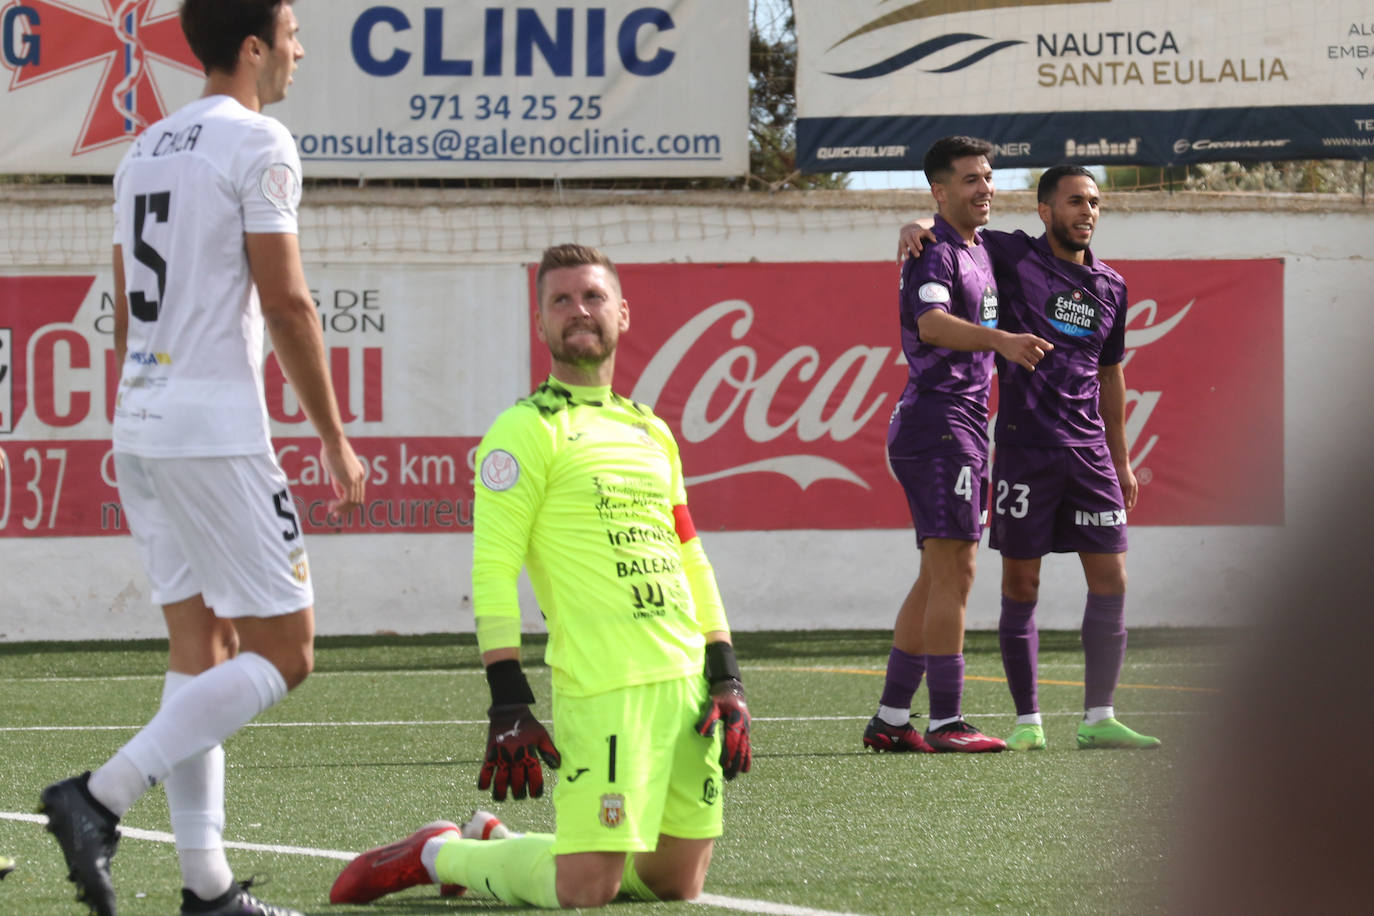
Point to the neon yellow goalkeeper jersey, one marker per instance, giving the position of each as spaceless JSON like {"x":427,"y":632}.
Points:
{"x":584,"y":488}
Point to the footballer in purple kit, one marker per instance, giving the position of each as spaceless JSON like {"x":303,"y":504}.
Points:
{"x":938,"y":448}
{"x":1062,"y":480}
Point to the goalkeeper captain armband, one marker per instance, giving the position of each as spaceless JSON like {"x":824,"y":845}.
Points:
{"x":508,"y":684}
{"x":720,"y":663}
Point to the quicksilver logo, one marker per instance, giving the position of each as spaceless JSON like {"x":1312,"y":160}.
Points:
{"x":861,"y":152}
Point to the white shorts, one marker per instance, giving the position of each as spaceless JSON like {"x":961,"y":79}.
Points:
{"x":224,"y":528}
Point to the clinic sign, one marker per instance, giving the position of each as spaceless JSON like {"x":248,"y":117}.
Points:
{"x":444,"y":88}
{"x":1087,"y":81}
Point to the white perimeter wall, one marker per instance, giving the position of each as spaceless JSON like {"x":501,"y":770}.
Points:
{"x":56,"y":588}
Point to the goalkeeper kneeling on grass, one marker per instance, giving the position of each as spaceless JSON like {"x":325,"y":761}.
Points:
{"x":584,"y":488}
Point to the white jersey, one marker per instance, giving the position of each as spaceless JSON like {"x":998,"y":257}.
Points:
{"x":186,"y":193}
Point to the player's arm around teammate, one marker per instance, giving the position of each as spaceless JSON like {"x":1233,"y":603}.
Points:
{"x":941,"y":329}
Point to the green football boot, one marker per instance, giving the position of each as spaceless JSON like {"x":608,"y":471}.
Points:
{"x":1026,"y":737}
{"x":1110,"y":733}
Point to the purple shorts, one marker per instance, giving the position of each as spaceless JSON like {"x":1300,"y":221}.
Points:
{"x":1056,"y":500}
{"x":947,"y":494}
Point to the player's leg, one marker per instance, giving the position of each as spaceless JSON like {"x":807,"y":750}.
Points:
{"x":1104,"y":651}
{"x":951,"y":574}
{"x":692,"y":808}
{"x":890,"y":729}
{"x":1093,"y":523}
{"x":950,"y":525}
{"x":1019,"y":641}
{"x":676,"y":870}
{"x":946,"y":497}
{"x":234,"y":522}
{"x":615,"y":747}
{"x":1027,"y":488}
{"x":1104,"y":630}
{"x":951,"y":564}
{"x":228,"y":515}
{"x":589,"y":879}
{"x":198,"y":641}
{"x":906,"y":662}
{"x":76,"y":817}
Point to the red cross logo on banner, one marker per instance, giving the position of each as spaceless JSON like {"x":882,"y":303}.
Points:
{"x":43,"y":38}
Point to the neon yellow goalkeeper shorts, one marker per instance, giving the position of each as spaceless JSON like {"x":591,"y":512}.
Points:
{"x":634,"y":767}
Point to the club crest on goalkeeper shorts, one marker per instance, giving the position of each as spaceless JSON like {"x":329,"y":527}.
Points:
{"x":612,"y":810}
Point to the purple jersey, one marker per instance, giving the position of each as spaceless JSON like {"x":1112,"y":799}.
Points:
{"x":1081,"y":309}
{"x":944,"y":408}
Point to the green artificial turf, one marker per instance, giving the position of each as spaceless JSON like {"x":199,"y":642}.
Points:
{"x":388,"y":733}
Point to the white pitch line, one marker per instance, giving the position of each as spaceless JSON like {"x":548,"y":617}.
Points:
{"x":484,"y":722}
{"x":468,"y":672}
{"x":739,"y":905}
{"x":78,"y":678}
{"x":763,"y":906}
{"x":160,"y":836}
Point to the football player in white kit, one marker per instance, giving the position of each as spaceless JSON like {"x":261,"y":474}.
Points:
{"x":205,"y":250}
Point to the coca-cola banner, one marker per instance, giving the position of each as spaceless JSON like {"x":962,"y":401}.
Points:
{"x":779,"y":379}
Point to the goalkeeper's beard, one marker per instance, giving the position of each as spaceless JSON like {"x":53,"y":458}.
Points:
{"x":583,"y":355}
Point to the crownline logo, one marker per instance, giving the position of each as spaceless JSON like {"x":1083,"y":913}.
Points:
{"x":43,"y":39}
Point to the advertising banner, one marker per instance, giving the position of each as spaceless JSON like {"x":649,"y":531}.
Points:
{"x":779,"y":380}
{"x":417,"y":377}
{"x":439,"y":89}
{"x":1089,"y":81}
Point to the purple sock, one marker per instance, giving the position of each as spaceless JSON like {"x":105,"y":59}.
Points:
{"x":1104,"y":647}
{"x":945,"y":679}
{"x":1020,"y":641}
{"x":903,"y":677}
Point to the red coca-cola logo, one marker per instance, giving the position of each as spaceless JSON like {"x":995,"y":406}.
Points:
{"x":779,"y":379}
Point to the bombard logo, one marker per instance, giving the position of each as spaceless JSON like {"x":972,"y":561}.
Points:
{"x":946,"y":53}
{"x":41,"y":39}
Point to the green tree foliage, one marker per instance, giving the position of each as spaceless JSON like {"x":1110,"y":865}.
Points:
{"x":773,"y":102}
{"x":1310,"y":176}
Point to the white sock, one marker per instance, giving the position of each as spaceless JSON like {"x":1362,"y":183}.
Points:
{"x":894,"y":716}
{"x":118,"y":784}
{"x":941,"y":723}
{"x":1030,"y":719}
{"x":429,"y":853}
{"x":205,"y":872}
{"x":195,"y":798}
{"x":207,"y":710}
{"x":1097,"y":714}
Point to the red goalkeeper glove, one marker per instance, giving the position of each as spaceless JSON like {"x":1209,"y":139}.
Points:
{"x":515,"y":740}
{"x":515,"y":743}
{"x":726,"y":706}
